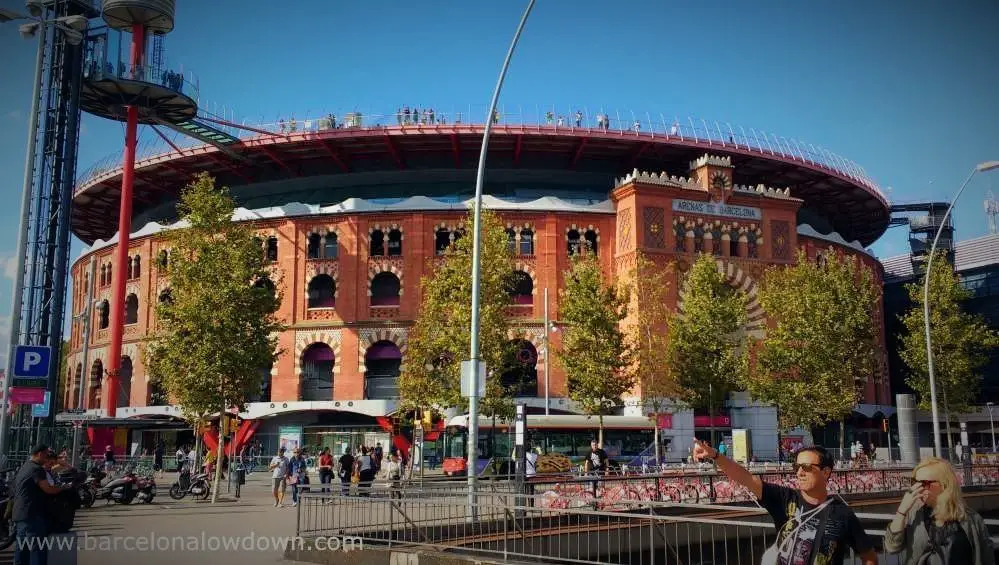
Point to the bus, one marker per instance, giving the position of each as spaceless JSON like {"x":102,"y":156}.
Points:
{"x":625,"y":438}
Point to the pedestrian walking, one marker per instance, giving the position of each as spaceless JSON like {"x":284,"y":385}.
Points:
{"x":392,"y":473}
{"x":812,"y":527}
{"x":933,"y":525}
{"x":298,"y":475}
{"x":29,"y":491}
{"x":365,"y":472}
{"x":279,"y":477}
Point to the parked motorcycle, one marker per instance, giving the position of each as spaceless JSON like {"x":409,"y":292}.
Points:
{"x":146,"y":487}
{"x":197,"y":486}
{"x":121,"y":490}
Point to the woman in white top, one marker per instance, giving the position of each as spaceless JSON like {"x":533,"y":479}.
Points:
{"x":392,"y":472}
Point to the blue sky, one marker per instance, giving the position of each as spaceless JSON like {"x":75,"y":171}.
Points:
{"x":906,"y":89}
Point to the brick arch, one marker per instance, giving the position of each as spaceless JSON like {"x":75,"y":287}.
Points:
{"x":386,"y":229}
{"x":303,"y":339}
{"x":367,"y":338}
{"x":529,"y":269}
{"x":756,"y":318}
{"x":321,"y":267}
{"x":388,"y":265}
{"x":582,"y":230}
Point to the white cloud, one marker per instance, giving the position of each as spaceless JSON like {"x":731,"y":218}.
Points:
{"x":8,"y":265}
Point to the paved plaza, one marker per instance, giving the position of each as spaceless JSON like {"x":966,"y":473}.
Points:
{"x":167,"y":531}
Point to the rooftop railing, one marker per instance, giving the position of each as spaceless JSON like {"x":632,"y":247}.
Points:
{"x":712,"y":133}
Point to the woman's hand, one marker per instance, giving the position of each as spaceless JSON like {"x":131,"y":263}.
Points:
{"x":914,"y":499}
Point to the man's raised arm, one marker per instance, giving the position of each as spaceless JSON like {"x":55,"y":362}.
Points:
{"x":730,"y":468}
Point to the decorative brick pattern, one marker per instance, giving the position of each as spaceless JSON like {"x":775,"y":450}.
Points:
{"x":781,"y":234}
{"x":384,"y":312}
{"x":527,"y":265}
{"x":394,"y":265}
{"x":655,"y":228}
{"x":624,"y":230}
{"x":368,"y":337}
{"x":315,"y":268}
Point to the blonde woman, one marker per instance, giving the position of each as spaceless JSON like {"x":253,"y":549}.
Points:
{"x":933,"y":526}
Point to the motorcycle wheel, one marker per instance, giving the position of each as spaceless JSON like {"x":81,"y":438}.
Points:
{"x":176,"y":492}
{"x":86,"y":498}
{"x":8,"y":534}
{"x":207,"y":492}
{"x":149,"y":500}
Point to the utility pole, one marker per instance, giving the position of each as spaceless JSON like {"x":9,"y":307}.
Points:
{"x":548,"y":350}
{"x":87,"y":318}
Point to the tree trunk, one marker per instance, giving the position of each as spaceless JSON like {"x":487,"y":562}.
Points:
{"x":218,"y":459}
{"x":950,"y":440}
{"x":655,"y":433}
{"x":600,"y":431}
{"x":842,"y":436}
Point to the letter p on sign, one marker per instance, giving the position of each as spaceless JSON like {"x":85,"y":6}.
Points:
{"x":32,"y":361}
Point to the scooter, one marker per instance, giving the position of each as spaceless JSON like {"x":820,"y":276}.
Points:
{"x":146,"y":489}
{"x":197,"y":486}
{"x":121,"y":490}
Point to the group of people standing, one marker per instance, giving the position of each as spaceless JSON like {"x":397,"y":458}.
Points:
{"x":360,"y":467}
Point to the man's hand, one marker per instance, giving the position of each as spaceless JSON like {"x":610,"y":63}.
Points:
{"x":704,"y":451}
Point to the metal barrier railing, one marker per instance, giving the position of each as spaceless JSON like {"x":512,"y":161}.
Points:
{"x":516,"y":527}
{"x":688,"y":129}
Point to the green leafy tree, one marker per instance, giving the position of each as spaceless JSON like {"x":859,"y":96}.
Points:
{"x":440,"y":338}
{"x":961,"y":343}
{"x":64,"y":378}
{"x":595,"y":354}
{"x":822,"y":340}
{"x":707,"y":345}
{"x":216,"y":331}
{"x":648,"y":336}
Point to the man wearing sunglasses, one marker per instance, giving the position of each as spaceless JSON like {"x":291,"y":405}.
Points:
{"x":812,"y":527}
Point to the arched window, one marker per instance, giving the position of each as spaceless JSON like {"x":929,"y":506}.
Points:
{"x":77,"y":386}
{"x":157,"y":394}
{"x":521,"y":379}
{"x":132,"y":309}
{"x":377,"y":244}
{"x":110,"y":278}
{"x":322,"y":292}
{"x":385,"y":290}
{"x":521,"y":288}
{"x":264,"y":394}
{"x":162,"y":259}
{"x":575,"y":243}
{"x":591,"y":241}
{"x":128,"y":272}
{"x":266,"y":284}
{"x":317,"y":372}
{"x":166,"y":297}
{"x":104,"y":311}
{"x":382,"y":362}
{"x":395,"y":243}
{"x":103,"y":272}
{"x":96,"y":378}
{"x":315,"y":246}
{"x":137,"y":267}
{"x":331,"y":247}
{"x":272,"y":248}
{"x":511,"y":240}
{"x":442,"y":240}
{"x":526,"y":242}
{"x":125,"y":382}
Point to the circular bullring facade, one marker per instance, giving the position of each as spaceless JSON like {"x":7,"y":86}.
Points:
{"x":351,"y":221}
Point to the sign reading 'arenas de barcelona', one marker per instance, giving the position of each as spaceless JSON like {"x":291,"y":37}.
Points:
{"x":715,"y":209}
{"x":351,"y":220}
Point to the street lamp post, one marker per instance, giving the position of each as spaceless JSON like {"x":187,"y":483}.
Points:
{"x":473,"y":400}
{"x":992,"y":425}
{"x":981,"y":167}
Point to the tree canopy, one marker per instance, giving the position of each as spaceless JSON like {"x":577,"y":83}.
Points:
{"x":822,"y":340}
{"x":440,"y":339}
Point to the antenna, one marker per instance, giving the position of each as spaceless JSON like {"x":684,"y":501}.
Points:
{"x":991,"y":210}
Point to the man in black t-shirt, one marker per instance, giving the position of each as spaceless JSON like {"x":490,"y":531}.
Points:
{"x":596,"y":460}
{"x":812,"y":527}
{"x":29,"y":491}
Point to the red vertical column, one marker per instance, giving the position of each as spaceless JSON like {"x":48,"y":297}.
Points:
{"x":124,"y":229}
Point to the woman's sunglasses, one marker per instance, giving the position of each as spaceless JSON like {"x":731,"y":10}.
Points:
{"x":926,"y":484}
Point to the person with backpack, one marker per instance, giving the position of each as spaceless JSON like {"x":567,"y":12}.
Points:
{"x":812,"y":527}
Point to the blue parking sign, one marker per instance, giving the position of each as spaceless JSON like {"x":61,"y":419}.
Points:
{"x":32,"y":361}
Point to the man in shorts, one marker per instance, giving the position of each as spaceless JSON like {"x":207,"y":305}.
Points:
{"x":279,"y":476}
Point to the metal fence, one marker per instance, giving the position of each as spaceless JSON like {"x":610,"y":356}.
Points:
{"x":515,"y":527}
